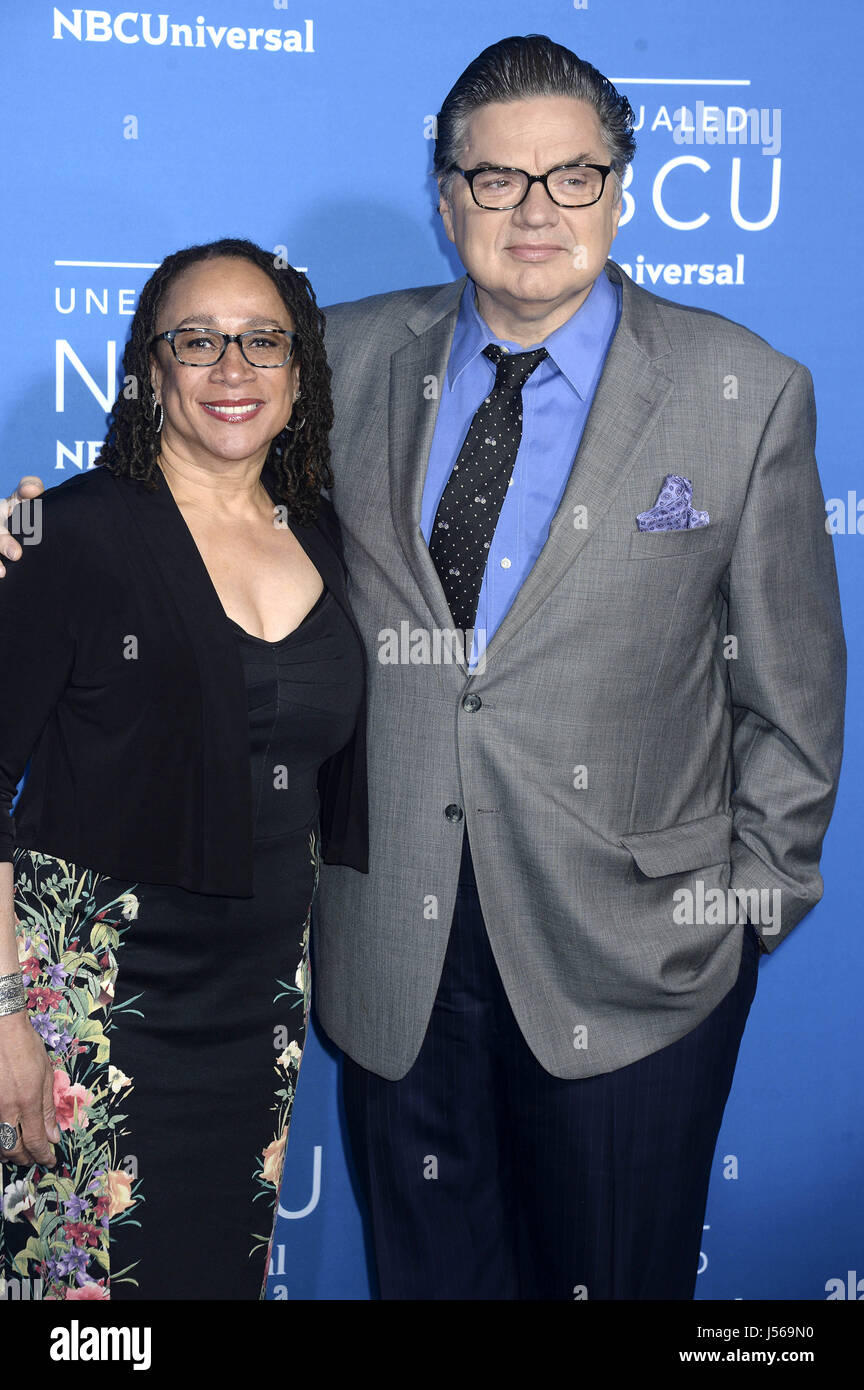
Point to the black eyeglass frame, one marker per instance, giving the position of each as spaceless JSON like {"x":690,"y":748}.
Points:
{"x":470,"y":174}
{"x":227,"y":338}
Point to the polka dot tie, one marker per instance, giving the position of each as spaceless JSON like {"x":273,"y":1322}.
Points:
{"x":472,"y":500}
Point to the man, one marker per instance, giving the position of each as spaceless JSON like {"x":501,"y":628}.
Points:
{"x":542,"y":983}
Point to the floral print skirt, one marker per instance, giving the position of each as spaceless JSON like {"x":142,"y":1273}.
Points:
{"x":175,"y":1023}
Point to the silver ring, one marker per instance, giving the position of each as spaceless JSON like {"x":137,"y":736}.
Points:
{"x":8,"y":1136}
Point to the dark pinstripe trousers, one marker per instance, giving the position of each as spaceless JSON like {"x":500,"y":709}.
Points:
{"x":488,"y":1178}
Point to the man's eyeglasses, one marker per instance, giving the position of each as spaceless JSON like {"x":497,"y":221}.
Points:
{"x":568,"y":185}
{"x":203,"y":347}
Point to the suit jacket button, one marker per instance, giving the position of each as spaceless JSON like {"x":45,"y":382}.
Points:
{"x":453,"y":812}
{"x":471,"y":703}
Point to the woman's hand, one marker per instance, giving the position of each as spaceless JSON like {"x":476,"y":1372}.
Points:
{"x":27,"y":488}
{"x":27,"y":1092}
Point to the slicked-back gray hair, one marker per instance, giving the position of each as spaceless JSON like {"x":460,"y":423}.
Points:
{"x":517,"y":69}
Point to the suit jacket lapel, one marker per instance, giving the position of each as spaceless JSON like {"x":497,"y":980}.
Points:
{"x":630,"y":393}
{"x":416,"y":380}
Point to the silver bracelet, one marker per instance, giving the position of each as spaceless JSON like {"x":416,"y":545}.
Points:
{"x":12,"y":997}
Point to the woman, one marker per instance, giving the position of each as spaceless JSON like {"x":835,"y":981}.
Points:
{"x":181,"y":662}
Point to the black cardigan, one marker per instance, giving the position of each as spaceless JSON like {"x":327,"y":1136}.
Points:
{"x":122,"y":679}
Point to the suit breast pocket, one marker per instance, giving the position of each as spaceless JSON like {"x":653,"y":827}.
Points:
{"x":655,"y":545}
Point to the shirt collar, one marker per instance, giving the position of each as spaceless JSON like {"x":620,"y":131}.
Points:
{"x":576,"y":348}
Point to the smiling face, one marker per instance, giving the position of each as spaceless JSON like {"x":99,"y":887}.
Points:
{"x":535,"y":265}
{"x":230,"y":412}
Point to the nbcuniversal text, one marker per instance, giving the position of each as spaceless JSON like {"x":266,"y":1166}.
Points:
{"x":154,"y":30}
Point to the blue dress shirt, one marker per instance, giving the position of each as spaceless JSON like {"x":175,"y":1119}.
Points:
{"x":555,"y":404}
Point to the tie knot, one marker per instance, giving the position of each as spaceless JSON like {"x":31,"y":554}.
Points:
{"x":513,"y":368}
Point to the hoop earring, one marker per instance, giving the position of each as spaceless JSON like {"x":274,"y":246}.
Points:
{"x":158,"y":418}
{"x":291,"y":427}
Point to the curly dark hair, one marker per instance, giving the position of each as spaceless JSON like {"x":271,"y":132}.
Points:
{"x":299,"y":457}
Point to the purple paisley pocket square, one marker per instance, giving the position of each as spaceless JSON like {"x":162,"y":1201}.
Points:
{"x":673,"y":510}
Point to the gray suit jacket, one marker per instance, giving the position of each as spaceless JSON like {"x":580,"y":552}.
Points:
{"x":706,"y":764}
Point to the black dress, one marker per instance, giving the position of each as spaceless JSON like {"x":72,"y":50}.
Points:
{"x":174,"y":1135}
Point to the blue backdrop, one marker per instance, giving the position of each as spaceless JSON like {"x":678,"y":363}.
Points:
{"x":308,"y":126}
